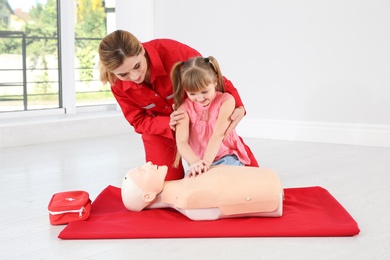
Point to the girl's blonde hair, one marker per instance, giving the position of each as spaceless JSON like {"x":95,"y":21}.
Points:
{"x":194,"y":75}
{"x":113,"y":50}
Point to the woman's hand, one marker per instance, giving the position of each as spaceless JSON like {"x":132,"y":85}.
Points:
{"x":235,"y":118}
{"x":175,"y":116}
{"x":198,"y":168}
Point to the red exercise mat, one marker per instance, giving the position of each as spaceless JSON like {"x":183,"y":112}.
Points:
{"x":307,"y":212}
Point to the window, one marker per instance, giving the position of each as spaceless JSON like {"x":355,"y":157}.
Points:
{"x":28,"y":55}
{"x":30,"y":70}
{"x":94,"y":18}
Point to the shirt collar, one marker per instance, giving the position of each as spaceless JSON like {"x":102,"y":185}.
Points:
{"x":155,"y":63}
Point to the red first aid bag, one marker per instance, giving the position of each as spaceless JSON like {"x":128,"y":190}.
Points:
{"x":68,"y":206}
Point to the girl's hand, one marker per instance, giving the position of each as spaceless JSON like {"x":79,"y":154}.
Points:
{"x":235,"y":118}
{"x":198,"y":168}
{"x":175,"y":116}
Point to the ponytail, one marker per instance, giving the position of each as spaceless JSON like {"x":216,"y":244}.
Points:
{"x":178,"y":97}
{"x":179,"y":93}
{"x":214,"y":64}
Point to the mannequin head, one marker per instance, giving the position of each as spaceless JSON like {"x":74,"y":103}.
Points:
{"x":141,"y":185}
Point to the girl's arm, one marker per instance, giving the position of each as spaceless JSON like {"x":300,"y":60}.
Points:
{"x":182,"y":136}
{"x":223,"y":122}
{"x":197,"y":166}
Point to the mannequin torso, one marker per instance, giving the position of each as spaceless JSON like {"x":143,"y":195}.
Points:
{"x":223,"y":192}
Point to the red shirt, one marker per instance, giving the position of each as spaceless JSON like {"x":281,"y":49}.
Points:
{"x":148,"y":109}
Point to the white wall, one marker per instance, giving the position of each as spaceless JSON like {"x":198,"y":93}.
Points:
{"x":306,"y":70}
{"x":136,"y":17}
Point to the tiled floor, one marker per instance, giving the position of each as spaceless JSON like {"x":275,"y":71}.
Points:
{"x":357,"y":176}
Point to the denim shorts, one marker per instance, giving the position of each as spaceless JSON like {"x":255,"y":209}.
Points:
{"x":230,"y":159}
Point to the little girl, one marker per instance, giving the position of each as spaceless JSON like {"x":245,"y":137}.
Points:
{"x":201,"y":136}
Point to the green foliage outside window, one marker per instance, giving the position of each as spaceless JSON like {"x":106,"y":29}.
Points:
{"x":90,"y":24}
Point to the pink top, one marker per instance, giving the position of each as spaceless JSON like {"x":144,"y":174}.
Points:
{"x":202,"y":124}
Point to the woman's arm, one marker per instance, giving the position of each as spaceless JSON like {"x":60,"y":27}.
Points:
{"x":231,"y":89}
{"x":239,"y":111}
{"x":222,"y":124}
{"x":140,"y":119}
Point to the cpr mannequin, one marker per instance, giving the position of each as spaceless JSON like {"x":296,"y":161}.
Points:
{"x":224,"y":191}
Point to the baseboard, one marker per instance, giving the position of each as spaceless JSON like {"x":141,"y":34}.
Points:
{"x":52,"y":129}
{"x":338,"y":133}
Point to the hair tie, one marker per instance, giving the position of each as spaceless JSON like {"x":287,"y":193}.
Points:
{"x":208,"y":61}
{"x":212,"y":64}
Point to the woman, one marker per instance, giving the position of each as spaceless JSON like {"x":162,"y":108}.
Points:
{"x":139,"y":74}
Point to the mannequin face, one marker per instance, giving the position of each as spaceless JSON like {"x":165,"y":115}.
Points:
{"x":141,"y":185}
